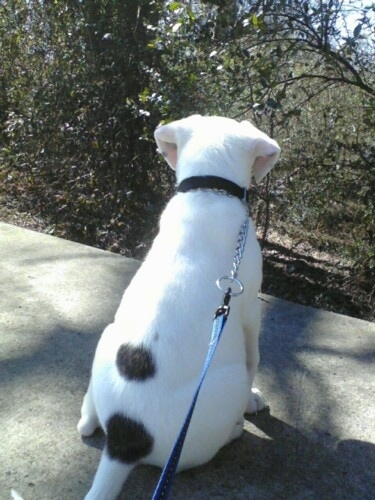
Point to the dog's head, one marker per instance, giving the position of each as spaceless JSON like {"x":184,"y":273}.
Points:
{"x":212,"y":145}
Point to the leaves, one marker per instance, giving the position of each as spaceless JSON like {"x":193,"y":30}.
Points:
{"x":174,"y":6}
{"x":357,"y":30}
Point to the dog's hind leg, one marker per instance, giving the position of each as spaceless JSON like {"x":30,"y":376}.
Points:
{"x":89,"y":419}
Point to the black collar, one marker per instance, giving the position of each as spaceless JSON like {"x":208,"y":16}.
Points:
{"x":214,"y":183}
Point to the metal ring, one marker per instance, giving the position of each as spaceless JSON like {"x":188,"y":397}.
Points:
{"x":230,"y":280}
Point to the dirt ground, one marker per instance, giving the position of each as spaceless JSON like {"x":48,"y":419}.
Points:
{"x":296,"y":271}
{"x":293,"y":270}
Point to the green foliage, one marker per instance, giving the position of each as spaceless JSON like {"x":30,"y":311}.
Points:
{"x":77,"y":126}
{"x":84,"y":84}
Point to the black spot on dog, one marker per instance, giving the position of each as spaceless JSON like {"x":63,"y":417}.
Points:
{"x":127,"y":440}
{"x":135,"y":362}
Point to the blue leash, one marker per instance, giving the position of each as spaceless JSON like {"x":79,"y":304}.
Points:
{"x":169,"y":471}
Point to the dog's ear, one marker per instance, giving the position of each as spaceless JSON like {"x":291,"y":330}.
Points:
{"x":265,"y":150}
{"x":166,"y":139}
{"x":267,"y":154}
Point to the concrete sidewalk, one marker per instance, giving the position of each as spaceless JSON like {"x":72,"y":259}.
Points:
{"x":317,"y":372}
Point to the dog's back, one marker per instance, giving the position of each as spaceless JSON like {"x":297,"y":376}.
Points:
{"x":168,"y":310}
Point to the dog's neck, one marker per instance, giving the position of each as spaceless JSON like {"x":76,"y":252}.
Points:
{"x":217,"y":184}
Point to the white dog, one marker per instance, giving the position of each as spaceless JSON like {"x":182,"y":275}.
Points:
{"x":147,"y":363}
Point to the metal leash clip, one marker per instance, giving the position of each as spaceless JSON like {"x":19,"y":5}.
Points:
{"x":224,"y":309}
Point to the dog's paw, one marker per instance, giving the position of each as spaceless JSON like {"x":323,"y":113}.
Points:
{"x":87,"y":426}
{"x":237,"y":431}
{"x":256,"y":402}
